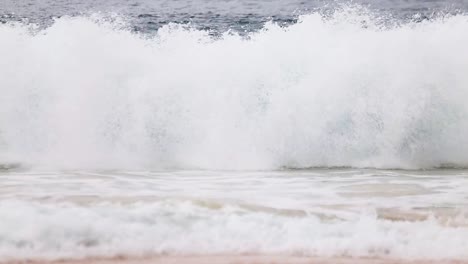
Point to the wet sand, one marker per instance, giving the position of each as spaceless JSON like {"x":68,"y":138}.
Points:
{"x":235,"y":259}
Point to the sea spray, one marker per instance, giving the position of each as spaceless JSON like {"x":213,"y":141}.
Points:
{"x":340,"y":90}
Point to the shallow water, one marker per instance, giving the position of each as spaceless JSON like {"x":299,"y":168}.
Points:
{"x":326,"y":212}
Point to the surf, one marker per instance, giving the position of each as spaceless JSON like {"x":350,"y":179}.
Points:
{"x":340,"y":90}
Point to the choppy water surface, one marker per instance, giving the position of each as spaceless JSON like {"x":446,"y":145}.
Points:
{"x":214,"y":15}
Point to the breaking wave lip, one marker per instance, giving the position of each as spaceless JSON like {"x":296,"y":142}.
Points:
{"x":332,"y":91}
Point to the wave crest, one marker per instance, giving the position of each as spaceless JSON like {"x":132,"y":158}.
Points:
{"x":327,"y":91}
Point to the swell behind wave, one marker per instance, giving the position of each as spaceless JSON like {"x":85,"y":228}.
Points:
{"x":326,"y":91}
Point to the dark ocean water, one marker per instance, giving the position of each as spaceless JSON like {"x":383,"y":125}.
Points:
{"x":214,"y":15}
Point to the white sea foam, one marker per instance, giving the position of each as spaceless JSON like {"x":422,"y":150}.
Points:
{"x":55,"y":231}
{"x":409,"y":215}
{"x":327,"y":91}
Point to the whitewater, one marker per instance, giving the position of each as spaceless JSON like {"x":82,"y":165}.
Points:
{"x":340,"y":135}
{"x":342,"y":91}
{"x":328,"y":213}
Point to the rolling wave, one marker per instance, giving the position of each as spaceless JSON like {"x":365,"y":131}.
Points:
{"x":328,"y":91}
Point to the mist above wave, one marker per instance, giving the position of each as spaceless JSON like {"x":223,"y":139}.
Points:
{"x":339,"y":90}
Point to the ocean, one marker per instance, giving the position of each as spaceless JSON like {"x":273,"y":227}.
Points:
{"x":222,"y":131}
